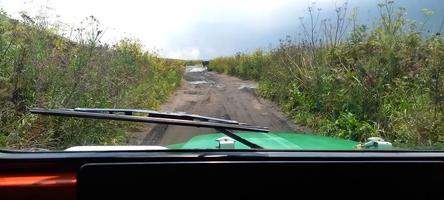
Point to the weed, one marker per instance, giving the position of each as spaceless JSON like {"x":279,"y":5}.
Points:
{"x":40,"y":68}
{"x":347,"y":80}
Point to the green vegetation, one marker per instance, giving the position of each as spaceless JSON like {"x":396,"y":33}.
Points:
{"x":193,"y":62}
{"x":39,"y":68}
{"x":348,"y":80}
{"x":242,"y":65}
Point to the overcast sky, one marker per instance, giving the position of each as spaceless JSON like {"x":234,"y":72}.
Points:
{"x":202,"y":29}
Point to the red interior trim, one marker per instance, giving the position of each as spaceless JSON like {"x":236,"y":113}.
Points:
{"x":38,"y":180}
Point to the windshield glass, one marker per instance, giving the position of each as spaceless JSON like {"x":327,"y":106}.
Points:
{"x":225,"y":74}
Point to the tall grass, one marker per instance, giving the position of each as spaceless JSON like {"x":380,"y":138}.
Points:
{"x":243,"y":65}
{"x":39,"y":68}
{"x":347,"y":80}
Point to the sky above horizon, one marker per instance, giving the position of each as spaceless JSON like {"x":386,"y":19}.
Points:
{"x":203,"y":29}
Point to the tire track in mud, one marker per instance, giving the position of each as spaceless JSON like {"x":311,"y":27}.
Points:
{"x":214,"y":95}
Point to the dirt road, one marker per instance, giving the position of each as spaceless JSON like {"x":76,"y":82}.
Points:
{"x":215,"y":95}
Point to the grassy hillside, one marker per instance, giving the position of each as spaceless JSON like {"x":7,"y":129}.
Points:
{"x":356,"y":82}
{"x":39,"y":68}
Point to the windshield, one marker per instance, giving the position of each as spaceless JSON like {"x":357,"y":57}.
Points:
{"x":288,"y":75}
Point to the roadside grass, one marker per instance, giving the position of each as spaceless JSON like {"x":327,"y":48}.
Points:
{"x":347,"y":80}
{"x":40,"y":68}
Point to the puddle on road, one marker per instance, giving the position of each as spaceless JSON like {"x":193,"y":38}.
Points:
{"x":196,"y":68}
{"x":220,"y":86}
{"x":248,"y":87}
{"x":197,"y":76}
{"x":197,"y":82}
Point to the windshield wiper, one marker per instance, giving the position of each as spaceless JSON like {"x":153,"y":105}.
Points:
{"x":170,"y":118}
{"x":152,"y":113}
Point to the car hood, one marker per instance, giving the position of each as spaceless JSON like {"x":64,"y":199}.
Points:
{"x":271,"y":140}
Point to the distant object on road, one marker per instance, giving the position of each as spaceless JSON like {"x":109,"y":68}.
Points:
{"x":205,"y":63}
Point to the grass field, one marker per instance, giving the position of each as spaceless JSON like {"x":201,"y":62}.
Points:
{"x":40,"y":68}
{"x":348,"y":80}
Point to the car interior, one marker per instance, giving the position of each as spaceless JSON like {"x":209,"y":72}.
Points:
{"x":221,"y":174}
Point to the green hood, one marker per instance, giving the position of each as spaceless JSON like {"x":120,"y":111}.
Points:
{"x":272,"y":140}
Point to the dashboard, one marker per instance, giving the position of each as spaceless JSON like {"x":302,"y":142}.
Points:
{"x":221,"y":174}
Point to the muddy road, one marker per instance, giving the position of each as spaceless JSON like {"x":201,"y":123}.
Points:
{"x":216,"y":95}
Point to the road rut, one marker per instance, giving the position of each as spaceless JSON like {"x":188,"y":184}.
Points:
{"x":215,"y":95}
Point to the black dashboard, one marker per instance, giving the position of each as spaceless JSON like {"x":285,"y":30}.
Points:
{"x":239,"y":174}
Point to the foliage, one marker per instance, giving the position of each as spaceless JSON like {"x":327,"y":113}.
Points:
{"x":387,"y":81}
{"x":40,"y":68}
{"x":242,"y":65}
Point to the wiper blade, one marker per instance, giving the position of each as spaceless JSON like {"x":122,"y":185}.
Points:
{"x":162,"y":118}
{"x":152,"y":113}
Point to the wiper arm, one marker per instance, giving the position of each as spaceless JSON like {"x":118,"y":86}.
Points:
{"x":233,"y":135}
{"x":161,"y":118}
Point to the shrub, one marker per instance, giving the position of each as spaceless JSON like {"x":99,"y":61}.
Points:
{"x":387,"y":81}
{"x":40,"y":68}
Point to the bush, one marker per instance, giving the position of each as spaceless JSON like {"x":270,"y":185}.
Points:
{"x":39,"y":68}
{"x":387,"y":81}
{"x":242,"y":65}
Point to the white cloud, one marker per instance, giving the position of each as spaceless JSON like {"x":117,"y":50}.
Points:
{"x":192,"y":53}
{"x":152,"y":22}
{"x":186,"y":29}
